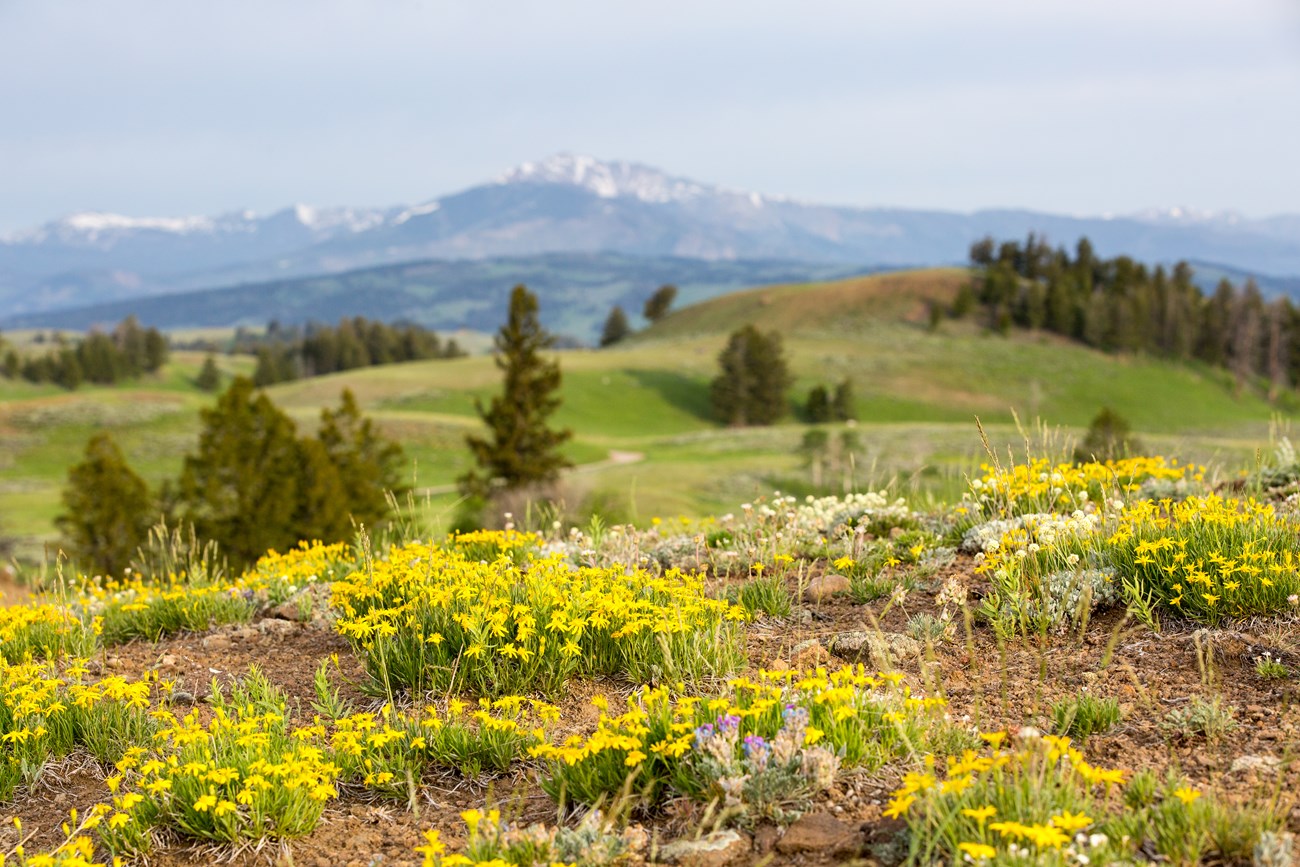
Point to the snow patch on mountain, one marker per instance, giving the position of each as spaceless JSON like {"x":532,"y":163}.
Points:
{"x":608,"y":180}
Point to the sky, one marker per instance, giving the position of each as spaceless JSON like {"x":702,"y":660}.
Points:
{"x":177,"y":107}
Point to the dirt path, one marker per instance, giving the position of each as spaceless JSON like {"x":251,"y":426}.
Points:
{"x":616,"y":458}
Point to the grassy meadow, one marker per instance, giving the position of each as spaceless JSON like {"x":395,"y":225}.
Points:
{"x":917,"y":395}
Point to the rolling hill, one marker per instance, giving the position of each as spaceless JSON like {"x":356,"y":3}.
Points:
{"x":917,"y":393}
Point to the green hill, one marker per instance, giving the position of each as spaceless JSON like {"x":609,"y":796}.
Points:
{"x":917,"y":393}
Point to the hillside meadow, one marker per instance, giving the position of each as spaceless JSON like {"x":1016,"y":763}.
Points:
{"x":917,"y":394}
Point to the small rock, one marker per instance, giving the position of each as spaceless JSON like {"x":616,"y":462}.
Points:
{"x":878,"y":649}
{"x":216,"y":642}
{"x":271,"y":626}
{"x":825,"y":586}
{"x":809,"y":654}
{"x":1262,"y":764}
{"x":292,"y":610}
{"x":715,"y":850}
{"x":765,"y":838}
{"x":818,"y":832}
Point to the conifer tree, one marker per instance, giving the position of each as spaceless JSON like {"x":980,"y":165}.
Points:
{"x":616,"y":327}
{"x":750,"y":388}
{"x":842,"y":403}
{"x":818,"y":407}
{"x":1109,"y":438}
{"x":520,"y":449}
{"x":369,"y":466}
{"x":242,"y":488}
{"x":658,"y":304}
{"x":209,"y":378}
{"x":107,"y":509}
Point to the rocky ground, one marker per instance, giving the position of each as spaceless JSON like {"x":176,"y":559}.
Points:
{"x":995,"y":685}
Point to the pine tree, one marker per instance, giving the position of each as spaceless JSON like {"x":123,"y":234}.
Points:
{"x":818,"y":407}
{"x":209,"y":378}
{"x":750,"y":388}
{"x":369,"y":466}
{"x":658,"y":304}
{"x":616,"y":327}
{"x":1109,"y":438}
{"x":842,"y":403}
{"x":520,"y":449}
{"x":242,"y":488}
{"x":107,"y":509}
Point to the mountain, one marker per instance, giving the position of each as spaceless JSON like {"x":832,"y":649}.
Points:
{"x":573,"y":204}
{"x":576,"y":291}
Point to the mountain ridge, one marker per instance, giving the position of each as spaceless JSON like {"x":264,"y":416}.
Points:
{"x":576,"y":204}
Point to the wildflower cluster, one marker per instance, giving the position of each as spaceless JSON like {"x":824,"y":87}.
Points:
{"x":765,"y":778}
{"x":1036,"y":798}
{"x":494,"y":843}
{"x":153,"y":606}
{"x":44,"y":715}
{"x":660,"y":744}
{"x":243,"y":776}
{"x":387,"y":752}
{"x":427,"y":617}
{"x":42,"y":630}
{"x":1038,"y":486}
{"x":1208,"y":558}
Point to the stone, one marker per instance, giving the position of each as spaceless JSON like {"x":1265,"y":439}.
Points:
{"x":216,"y":642}
{"x":718,"y":849}
{"x":809,"y":654}
{"x":273,"y":626}
{"x":1261,"y":764}
{"x":818,"y":832}
{"x":825,"y":586}
{"x":765,"y":837}
{"x":876,"y":649}
{"x":292,"y":609}
{"x":245,"y":634}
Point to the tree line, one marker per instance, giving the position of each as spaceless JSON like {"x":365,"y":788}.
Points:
{"x":288,"y":353}
{"x":252,"y":484}
{"x":103,"y":358}
{"x":1121,"y":305}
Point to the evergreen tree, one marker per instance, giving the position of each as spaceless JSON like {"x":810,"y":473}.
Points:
{"x":616,"y":327}
{"x":1109,"y":438}
{"x":107,"y":509}
{"x":750,"y":388}
{"x":209,"y":378}
{"x":368,"y":466}
{"x":842,"y":403}
{"x":520,"y":450}
{"x":242,"y":488}
{"x":818,"y":408}
{"x":658,"y":304}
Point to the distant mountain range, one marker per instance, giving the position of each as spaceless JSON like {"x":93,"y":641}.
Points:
{"x":571,"y":205}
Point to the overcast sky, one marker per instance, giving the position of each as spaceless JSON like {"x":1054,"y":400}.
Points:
{"x":173,"y":107}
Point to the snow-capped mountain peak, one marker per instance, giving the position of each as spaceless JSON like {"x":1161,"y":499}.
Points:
{"x":609,"y":180}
